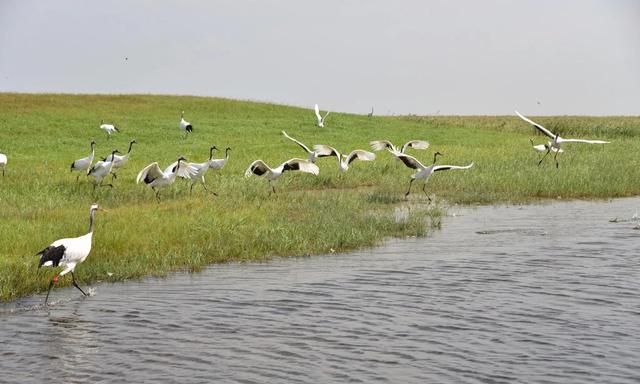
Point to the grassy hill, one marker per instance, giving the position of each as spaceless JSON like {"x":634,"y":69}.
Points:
{"x":40,"y":200}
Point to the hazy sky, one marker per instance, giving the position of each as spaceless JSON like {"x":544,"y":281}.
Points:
{"x":402,"y":56}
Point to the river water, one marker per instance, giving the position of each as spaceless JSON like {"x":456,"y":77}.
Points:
{"x":532,"y":294}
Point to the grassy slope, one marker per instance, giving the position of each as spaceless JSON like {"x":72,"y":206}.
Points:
{"x":40,"y":201}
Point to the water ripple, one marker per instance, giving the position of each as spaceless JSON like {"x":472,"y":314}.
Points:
{"x":500,"y":295}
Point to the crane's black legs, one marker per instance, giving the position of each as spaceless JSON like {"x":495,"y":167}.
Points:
{"x":207,"y":189}
{"x":545,"y":155}
{"x":53,"y":281}
{"x":272,"y":187}
{"x":75,"y":283}
{"x":555,"y":157}
{"x":409,"y":190}
{"x":424,"y":189}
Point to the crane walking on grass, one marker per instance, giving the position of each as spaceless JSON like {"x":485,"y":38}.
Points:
{"x":3,"y":162}
{"x":556,"y":141}
{"x":185,"y":125}
{"x":218,"y":164}
{"x":83,"y":165}
{"x":101,"y":169}
{"x":120,"y":160}
{"x":424,"y":172}
{"x":260,"y":168}
{"x":196,"y":171}
{"x":108,"y":128}
{"x":67,"y":253}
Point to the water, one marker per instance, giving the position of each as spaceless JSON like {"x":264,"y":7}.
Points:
{"x":535,"y":294}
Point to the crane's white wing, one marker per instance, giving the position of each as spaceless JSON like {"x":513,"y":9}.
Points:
{"x":415,"y":144}
{"x":318,"y":114}
{"x":322,"y":150}
{"x":379,"y":145}
{"x":360,"y":155}
{"x":538,"y":126}
{"x":300,"y":165}
{"x":297,"y":142}
{"x":258,"y":168}
{"x":447,"y":167}
{"x":188,"y":170}
{"x":584,"y":141}
{"x":150,"y":172}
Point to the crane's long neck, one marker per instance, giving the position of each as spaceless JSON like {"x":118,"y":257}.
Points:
{"x":226,"y":153}
{"x":211,"y":153}
{"x":91,"y":219}
{"x":435,"y":158}
{"x":130,"y":145}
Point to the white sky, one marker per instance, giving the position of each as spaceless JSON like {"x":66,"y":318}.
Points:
{"x":542,"y":57}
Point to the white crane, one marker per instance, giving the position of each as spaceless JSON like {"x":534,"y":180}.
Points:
{"x":3,"y":162}
{"x":196,"y":171}
{"x":101,"y":169}
{"x":108,"y":128}
{"x":312,"y":154}
{"x":556,"y":140}
{"x":370,"y":114}
{"x":67,"y":253}
{"x":319,"y":117}
{"x":120,"y":160}
{"x":343,"y":160}
{"x":157,"y":179}
{"x":259,"y":168}
{"x":423,"y":172}
{"x":84,"y":164}
{"x":217,"y":164}
{"x":185,"y":125}
{"x":379,"y":145}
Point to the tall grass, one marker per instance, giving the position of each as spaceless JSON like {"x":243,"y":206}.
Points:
{"x":40,"y":200}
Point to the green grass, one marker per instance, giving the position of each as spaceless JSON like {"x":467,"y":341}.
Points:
{"x":41,"y":202}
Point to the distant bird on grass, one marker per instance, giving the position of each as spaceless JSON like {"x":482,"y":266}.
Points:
{"x":379,"y":145}
{"x":556,"y":140}
{"x":100,"y":170}
{"x":424,"y":172}
{"x":3,"y":162}
{"x":259,"y":168}
{"x":84,"y":164}
{"x":67,"y":253}
{"x":312,"y":154}
{"x":157,"y":179}
{"x":185,"y":125}
{"x":319,"y":117}
{"x":370,"y":115}
{"x":120,"y":160}
{"x":108,"y":128}
{"x":343,"y":160}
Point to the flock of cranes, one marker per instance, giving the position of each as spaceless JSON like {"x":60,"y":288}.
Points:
{"x":69,"y":252}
